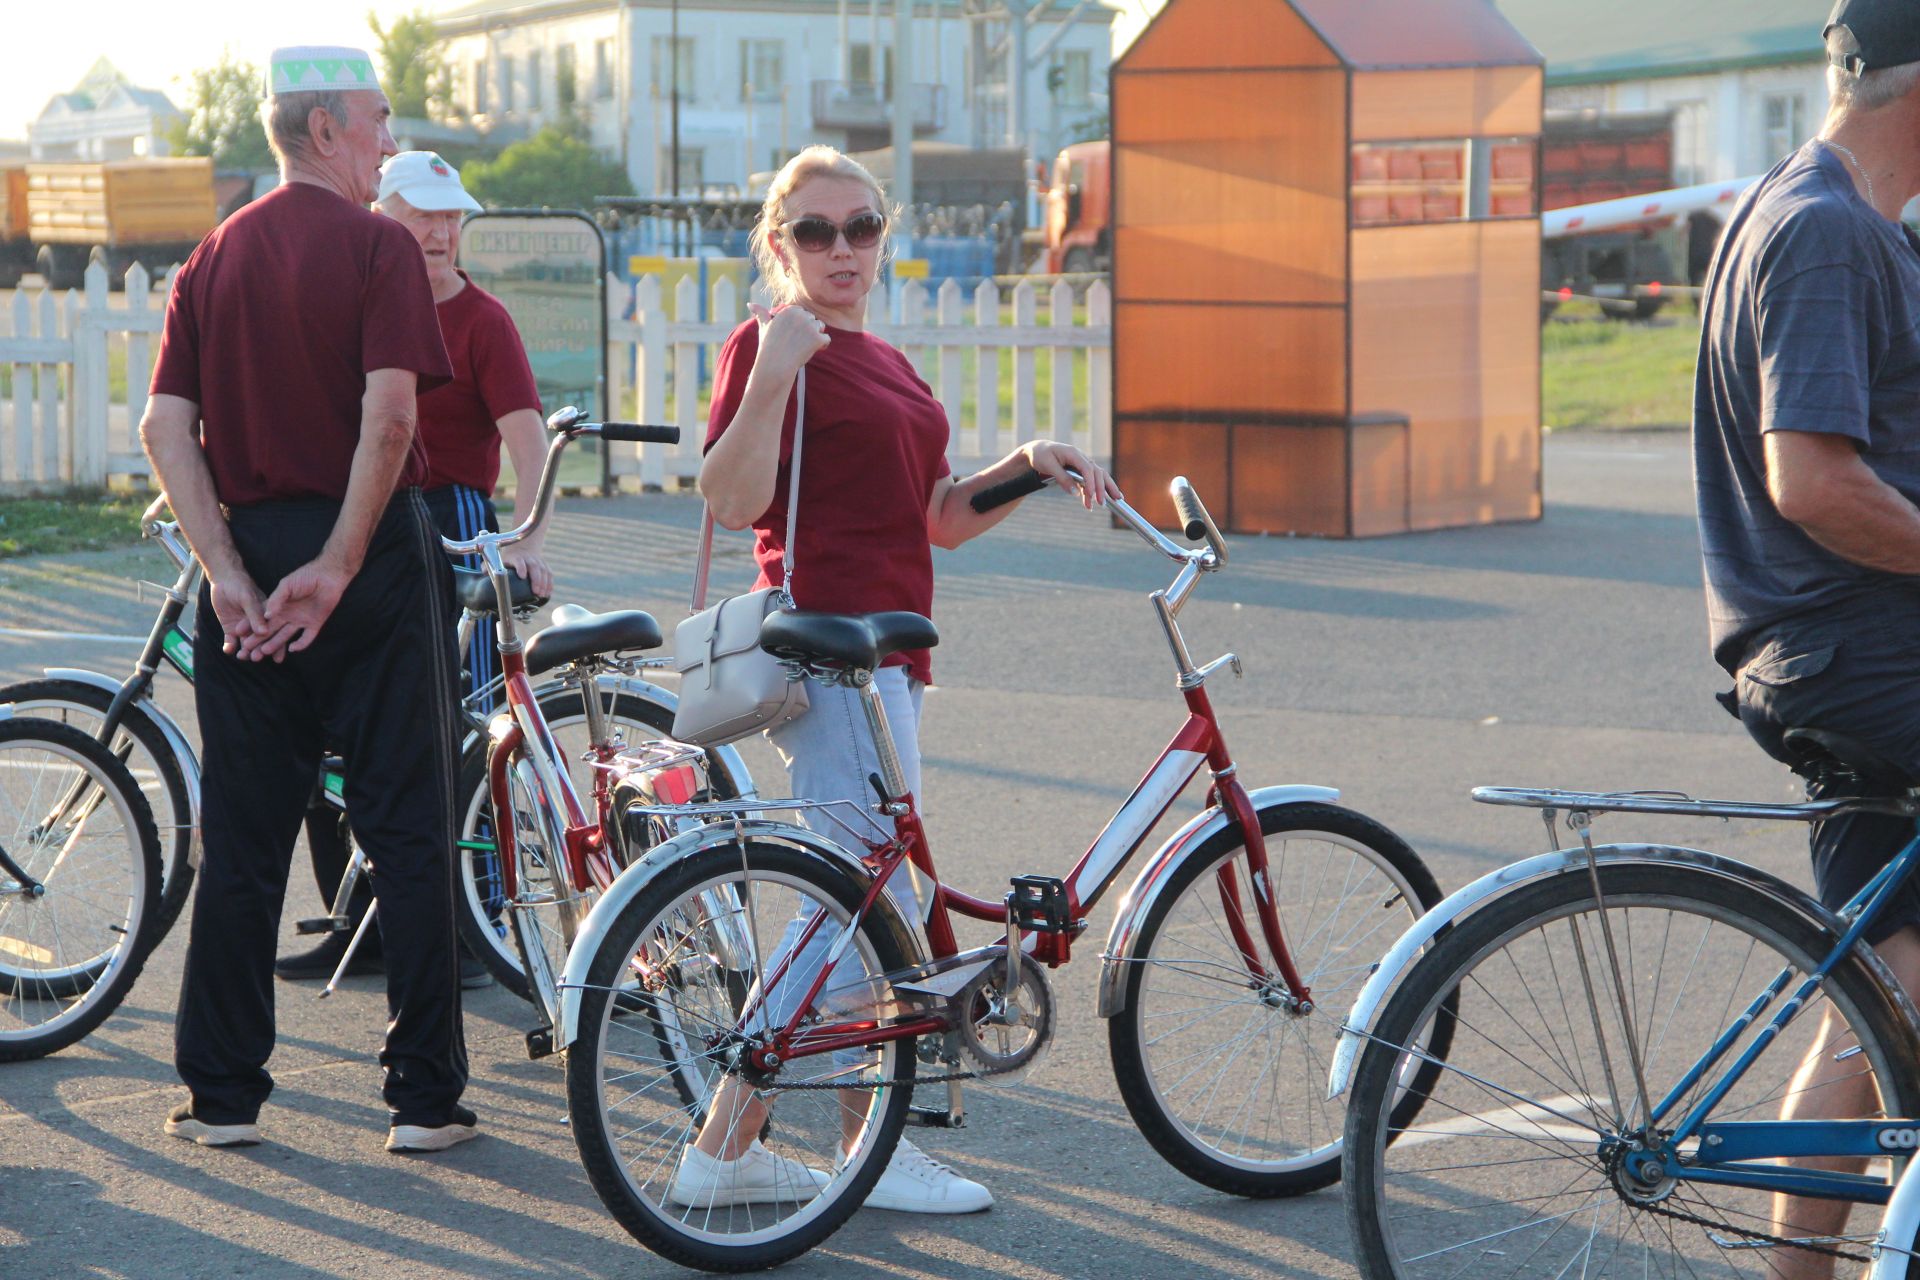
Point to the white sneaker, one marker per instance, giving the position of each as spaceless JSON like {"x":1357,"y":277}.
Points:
{"x":917,"y":1183}
{"x":758,"y":1177}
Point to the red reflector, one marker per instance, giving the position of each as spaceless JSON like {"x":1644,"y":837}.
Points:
{"x":1653,"y":289}
{"x":1566,"y":293}
{"x":676,"y":785}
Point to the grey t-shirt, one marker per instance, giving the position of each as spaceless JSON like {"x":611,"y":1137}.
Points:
{"x":1812,"y":323}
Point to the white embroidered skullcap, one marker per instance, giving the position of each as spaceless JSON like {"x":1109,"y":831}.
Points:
{"x":314,"y":68}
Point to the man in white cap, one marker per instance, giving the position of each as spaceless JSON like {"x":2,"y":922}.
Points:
{"x":282,"y":426}
{"x":492,"y":399}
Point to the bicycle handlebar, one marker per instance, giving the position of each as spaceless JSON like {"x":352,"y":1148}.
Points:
{"x":567,"y":427}
{"x":1196,"y":522}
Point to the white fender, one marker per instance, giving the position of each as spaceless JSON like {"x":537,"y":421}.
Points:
{"x":1115,"y":961}
{"x":646,"y":691}
{"x":146,"y":708}
{"x":636,"y":878}
{"x":1358,"y":1027}
{"x":1897,"y":1227}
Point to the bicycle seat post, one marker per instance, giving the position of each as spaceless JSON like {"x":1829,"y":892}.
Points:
{"x":892,"y":775}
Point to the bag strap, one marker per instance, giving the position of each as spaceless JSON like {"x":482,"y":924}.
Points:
{"x":705,"y":562}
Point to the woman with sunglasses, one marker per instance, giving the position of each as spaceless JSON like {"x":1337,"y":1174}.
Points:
{"x":875,"y":496}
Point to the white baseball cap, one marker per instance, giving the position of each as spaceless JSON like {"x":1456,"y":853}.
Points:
{"x":426,"y":182}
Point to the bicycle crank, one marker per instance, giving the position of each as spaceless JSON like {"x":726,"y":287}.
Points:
{"x":1002,"y":1029}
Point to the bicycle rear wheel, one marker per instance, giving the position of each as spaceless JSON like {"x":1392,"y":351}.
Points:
{"x":144,"y":749}
{"x":1227,"y":1083}
{"x":77,"y":904}
{"x":481,"y":904}
{"x":659,"y":1004}
{"x":1515,"y":1165}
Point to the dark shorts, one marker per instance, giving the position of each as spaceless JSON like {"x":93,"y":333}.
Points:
{"x":1854,"y":670}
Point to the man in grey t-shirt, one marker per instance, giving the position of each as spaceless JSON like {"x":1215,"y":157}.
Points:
{"x":1806,"y":422}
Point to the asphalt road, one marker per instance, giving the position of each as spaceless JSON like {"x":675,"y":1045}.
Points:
{"x":1404,"y":671}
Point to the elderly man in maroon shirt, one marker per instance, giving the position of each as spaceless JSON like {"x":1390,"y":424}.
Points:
{"x":281,"y":424}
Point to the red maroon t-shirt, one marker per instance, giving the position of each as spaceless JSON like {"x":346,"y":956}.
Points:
{"x":459,"y":423}
{"x":273,"y":326}
{"x":876,"y":443}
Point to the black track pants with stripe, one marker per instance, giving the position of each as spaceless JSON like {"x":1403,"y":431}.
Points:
{"x":377,"y":685}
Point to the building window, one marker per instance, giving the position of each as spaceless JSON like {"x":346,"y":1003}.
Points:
{"x":675,"y":75}
{"x":566,"y":86}
{"x":480,"y":87}
{"x":534,"y":87}
{"x":692,"y":168}
{"x":1076,"y":78}
{"x":603,"y":68}
{"x":1691,"y":162}
{"x":1784,"y":118}
{"x":761,"y":75}
{"x":506,"y":82}
{"x":860,"y":67}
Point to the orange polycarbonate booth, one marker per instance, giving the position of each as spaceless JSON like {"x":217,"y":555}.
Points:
{"x":1327,"y":264}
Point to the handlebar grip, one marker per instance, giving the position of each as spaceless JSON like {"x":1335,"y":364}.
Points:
{"x":639,"y":433}
{"x":999,"y":495}
{"x":1194,"y":520}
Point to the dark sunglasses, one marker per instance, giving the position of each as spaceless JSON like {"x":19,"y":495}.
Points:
{"x":816,"y":235}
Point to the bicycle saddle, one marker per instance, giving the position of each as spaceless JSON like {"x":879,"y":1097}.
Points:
{"x":576,"y":634}
{"x":856,"y":640}
{"x":1813,"y":752}
{"x":473,"y":590}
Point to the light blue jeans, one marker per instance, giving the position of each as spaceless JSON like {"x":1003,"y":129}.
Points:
{"x":829,"y":754}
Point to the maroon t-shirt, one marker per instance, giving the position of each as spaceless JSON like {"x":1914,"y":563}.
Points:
{"x":274,"y":324}
{"x":459,"y":423}
{"x":876,"y":442}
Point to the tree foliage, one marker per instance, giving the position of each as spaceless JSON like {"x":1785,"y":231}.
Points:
{"x":553,"y":168}
{"x":222,"y":117}
{"x":412,"y":69}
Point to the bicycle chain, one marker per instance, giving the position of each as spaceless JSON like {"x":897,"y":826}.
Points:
{"x":1750,"y":1234}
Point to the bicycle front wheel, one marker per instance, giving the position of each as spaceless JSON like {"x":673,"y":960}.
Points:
{"x":661,"y":1004}
{"x":79,"y":885}
{"x":1227,"y":1082}
{"x":481,"y":903}
{"x":1517,"y":1164}
{"x":144,"y":749}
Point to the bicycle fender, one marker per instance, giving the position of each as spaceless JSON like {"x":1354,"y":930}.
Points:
{"x":177,"y":741}
{"x":1360,"y":1020}
{"x":1132,"y":915}
{"x":647,"y":691}
{"x":1897,"y":1227}
{"x":662,"y":857}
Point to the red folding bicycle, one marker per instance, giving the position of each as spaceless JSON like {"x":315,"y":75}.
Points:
{"x":749,"y":1007}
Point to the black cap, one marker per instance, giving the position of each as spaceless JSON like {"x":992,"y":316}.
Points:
{"x":1875,"y":34}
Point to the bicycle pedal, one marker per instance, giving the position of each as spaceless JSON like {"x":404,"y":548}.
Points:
{"x":934,"y":1118}
{"x":1038,"y":904}
{"x":323,"y":924}
{"x":540,"y":1043}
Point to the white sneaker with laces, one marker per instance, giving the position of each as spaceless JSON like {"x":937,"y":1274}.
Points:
{"x":917,"y":1183}
{"x":701,"y":1181}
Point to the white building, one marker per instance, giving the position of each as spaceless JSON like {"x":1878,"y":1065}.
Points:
{"x":104,"y":117}
{"x":1744,"y":79}
{"x":759,"y":79}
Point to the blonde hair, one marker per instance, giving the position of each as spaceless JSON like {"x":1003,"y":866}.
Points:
{"x":783,"y":283}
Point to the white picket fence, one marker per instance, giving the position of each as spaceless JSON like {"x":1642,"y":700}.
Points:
{"x":955,"y":341}
{"x":62,"y":422}
{"x":67,"y":420}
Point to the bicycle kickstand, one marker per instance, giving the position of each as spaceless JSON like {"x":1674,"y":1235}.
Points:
{"x":353,"y":945}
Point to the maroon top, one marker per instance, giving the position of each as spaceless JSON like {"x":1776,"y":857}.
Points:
{"x":876,"y":442}
{"x":273,"y":326}
{"x":459,"y":423}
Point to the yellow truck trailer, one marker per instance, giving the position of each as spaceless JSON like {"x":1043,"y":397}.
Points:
{"x":60,"y":215}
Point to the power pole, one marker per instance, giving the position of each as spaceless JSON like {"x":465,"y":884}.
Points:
{"x":903,"y":123}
